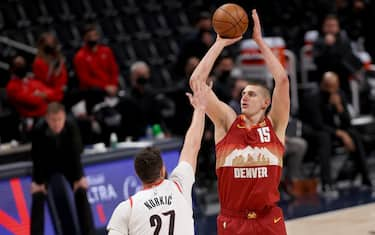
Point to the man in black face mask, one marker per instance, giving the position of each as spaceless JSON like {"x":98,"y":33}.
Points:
{"x":28,"y":95}
{"x":96,"y":67}
{"x":329,"y":113}
{"x":142,"y":105}
{"x":223,"y":83}
{"x":332,"y":52}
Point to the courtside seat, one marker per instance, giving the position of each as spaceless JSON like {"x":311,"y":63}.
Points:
{"x":129,"y":7}
{"x":14,"y":15}
{"x":104,"y":8}
{"x":112,"y":28}
{"x":81,"y":10}
{"x":37,"y":13}
{"x":157,"y":24}
{"x":68,"y":35}
{"x":59,"y":10}
{"x":168,"y":48}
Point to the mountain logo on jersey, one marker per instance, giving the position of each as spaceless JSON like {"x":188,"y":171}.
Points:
{"x":251,"y":157}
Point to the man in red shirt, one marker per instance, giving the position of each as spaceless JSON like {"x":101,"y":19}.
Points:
{"x":249,"y":147}
{"x":96,"y":67}
{"x":30,"y":97}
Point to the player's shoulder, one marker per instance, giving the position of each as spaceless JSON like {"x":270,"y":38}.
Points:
{"x":125,"y":205}
{"x":182,"y":167}
{"x":80,"y":54}
{"x":104,"y":48}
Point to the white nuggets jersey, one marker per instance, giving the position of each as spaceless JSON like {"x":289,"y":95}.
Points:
{"x":165,"y":209}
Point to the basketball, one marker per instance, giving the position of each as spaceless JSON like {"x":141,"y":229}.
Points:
{"x":230,"y":20}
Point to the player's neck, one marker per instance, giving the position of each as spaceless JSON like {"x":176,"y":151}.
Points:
{"x":251,"y":120}
{"x":153,"y":184}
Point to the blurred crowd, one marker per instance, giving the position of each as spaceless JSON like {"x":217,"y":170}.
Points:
{"x":104,"y":99}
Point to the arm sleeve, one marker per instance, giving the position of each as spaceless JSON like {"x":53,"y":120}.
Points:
{"x":37,"y":158}
{"x":114,"y":69}
{"x":183,"y":175}
{"x":83,"y":73}
{"x":61,"y":79}
{"x":119,"y":222}
{"x":345,"y":116}
{"x":39,"y":70}
{"x":23,"y":96}
{"x":77,"y":149}
{"x":51,"y":94}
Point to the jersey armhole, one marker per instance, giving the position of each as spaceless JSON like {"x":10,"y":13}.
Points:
{"x":178,"y":186}
{"x":131,"y":202}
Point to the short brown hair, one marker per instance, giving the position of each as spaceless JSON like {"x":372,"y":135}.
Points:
{"x":88,"y":28}
{"x":266,"y":90}
{"x":55,"y":107}
{"x":148,"y":164}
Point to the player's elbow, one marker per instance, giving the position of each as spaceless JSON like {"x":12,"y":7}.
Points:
{"x":195,"y":144}
{"x":283,"y":80}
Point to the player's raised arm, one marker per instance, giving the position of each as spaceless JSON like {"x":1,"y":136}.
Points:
{"x":220,"y":113}
{"x":194,"y":134}
{"x":204,"y":68}
{"x":279,"y":112}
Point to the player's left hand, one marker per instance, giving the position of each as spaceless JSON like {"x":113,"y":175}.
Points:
{"x":81,"y":183}
{"x":199,"y":99}
{"x":257,"y":30}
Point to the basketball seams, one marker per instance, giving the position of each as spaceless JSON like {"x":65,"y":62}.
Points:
{"x":228,"y":13}
{"x":230,"y":21}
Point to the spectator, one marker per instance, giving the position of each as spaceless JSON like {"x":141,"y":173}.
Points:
{"x":148,"y":107}
{"x":28,"y":95}
{"x":369,"y":33}
{"x":56,"y":149}
{"x":223,"y":82}
{"x":49,"y":65}
{"x":195,"y":45}
{"x":352,"y":18}
{"x":96,"y":69}
{"x":295,"y":150}
{"x":320,"y":147}
{"x":203,"y":21}
{"x":332,"y":52}
{"x":179,"y":123}
{"x":331,"y":116}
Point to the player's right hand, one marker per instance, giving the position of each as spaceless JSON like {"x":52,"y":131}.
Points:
{"x":346,"y":139}
{"x":227,"y":41}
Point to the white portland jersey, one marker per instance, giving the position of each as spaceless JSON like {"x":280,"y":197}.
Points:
{"x":165,"y":209}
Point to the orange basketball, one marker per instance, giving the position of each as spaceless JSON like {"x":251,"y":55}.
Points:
{"x":230,"y":20}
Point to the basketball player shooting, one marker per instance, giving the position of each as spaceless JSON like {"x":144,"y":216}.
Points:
{"x":164,"y":206}
{"x":249,"y":147}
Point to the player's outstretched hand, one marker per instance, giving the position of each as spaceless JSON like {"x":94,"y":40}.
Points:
{"x":227,"y":41}
{"x":199,"y":99}
{"x":257,"y":30}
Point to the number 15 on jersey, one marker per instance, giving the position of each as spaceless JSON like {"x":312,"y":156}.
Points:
{"x":264,"y":134}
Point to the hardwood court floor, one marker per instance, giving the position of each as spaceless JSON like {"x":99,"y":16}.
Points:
{"x":358,"y":220}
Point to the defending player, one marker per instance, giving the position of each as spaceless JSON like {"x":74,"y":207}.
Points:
{"x":249,"y":147}
{"x":164,"y":206}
